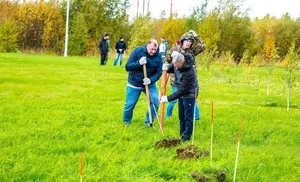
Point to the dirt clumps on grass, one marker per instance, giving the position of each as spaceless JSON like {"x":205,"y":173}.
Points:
{"x":168,"y":143}
{"x":221,"y":177}
{"x":207,"y":176}
{"x":200,"y":178}
{"x":190,"y":152}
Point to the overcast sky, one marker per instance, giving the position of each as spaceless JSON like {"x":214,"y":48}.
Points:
{"x":258,"y":8}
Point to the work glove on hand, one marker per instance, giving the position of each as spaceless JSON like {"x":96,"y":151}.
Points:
{"x":164,"y":99}
{"x":143,"y":60}
{"x":193,"y":33}
{"x":147,"y":81}
{"x":165,"y":66}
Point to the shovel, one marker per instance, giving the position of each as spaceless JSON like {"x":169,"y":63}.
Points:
{"x":148,"y":96}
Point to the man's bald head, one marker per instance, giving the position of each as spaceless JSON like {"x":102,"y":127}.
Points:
{"x":152,"y":47}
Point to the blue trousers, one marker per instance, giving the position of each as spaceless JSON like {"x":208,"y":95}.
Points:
{"x":186,"y":107}
{"x":118,"y":55}
{"x":133,"y":95}
{"x":172,"y":104}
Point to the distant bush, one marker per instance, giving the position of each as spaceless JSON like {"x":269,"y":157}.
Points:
{"x":8,"y":36}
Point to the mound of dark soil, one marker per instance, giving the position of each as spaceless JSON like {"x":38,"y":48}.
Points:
{"x":219,"y":176}
{"x":191,"y":151}
{"x":199,"y":177}
{"x":168,"y":143}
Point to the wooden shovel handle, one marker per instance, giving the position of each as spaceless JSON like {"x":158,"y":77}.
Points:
{"x":148,"y":94}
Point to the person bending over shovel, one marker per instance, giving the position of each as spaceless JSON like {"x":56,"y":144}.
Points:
{"x":145,"y":58}
{"x":190,"y":43}
{"x":186,"y":93}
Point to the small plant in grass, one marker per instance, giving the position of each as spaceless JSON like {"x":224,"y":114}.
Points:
{"x":246,"y":59}
{"x":275,"y":58}
{"x":246,"y":72}
{"x":291,"y":66}
{"x":207,"y":58}
{"x":226,"y":62}
{"x":257,"y":60}
{"x":256,"y":79}
{"x":255,"y":82}
{"x":249,"y":69}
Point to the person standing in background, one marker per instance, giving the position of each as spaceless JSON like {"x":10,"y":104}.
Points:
{"x":103,"y":47}
{"x":108,"y":45}
{"x":120,"y":49}
{"x":162,"y":49}
{"x":164,"y":40}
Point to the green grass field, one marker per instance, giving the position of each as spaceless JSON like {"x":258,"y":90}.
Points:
{"x":53,"y":108}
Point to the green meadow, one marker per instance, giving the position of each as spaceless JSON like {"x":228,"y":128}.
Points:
{"x":54,"y":108}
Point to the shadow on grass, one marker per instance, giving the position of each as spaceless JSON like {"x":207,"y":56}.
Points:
{"x":274,"y":103}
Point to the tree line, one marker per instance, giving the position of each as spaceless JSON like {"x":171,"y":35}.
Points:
{"x":39,"y":26}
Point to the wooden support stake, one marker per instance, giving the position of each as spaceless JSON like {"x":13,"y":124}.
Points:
{"x":81,"y":167}
{"x":194,"y":118}
{"x":212,"y":132}
{"x":238,"y":149}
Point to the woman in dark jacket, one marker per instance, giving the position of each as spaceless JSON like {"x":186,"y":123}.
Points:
{"x":186,"y":82}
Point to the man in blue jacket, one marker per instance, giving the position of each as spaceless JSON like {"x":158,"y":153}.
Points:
{"x":150,"y":56}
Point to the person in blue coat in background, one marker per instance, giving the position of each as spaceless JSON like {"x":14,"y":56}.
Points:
{"x":149,"y":55}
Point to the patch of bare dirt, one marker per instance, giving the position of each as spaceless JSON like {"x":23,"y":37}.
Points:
{"x":199,"y":177}
{"x":191,"y":151}
{"x":209,"y":176}
{"x":168,"y":143}
{"x":221,"y":177}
